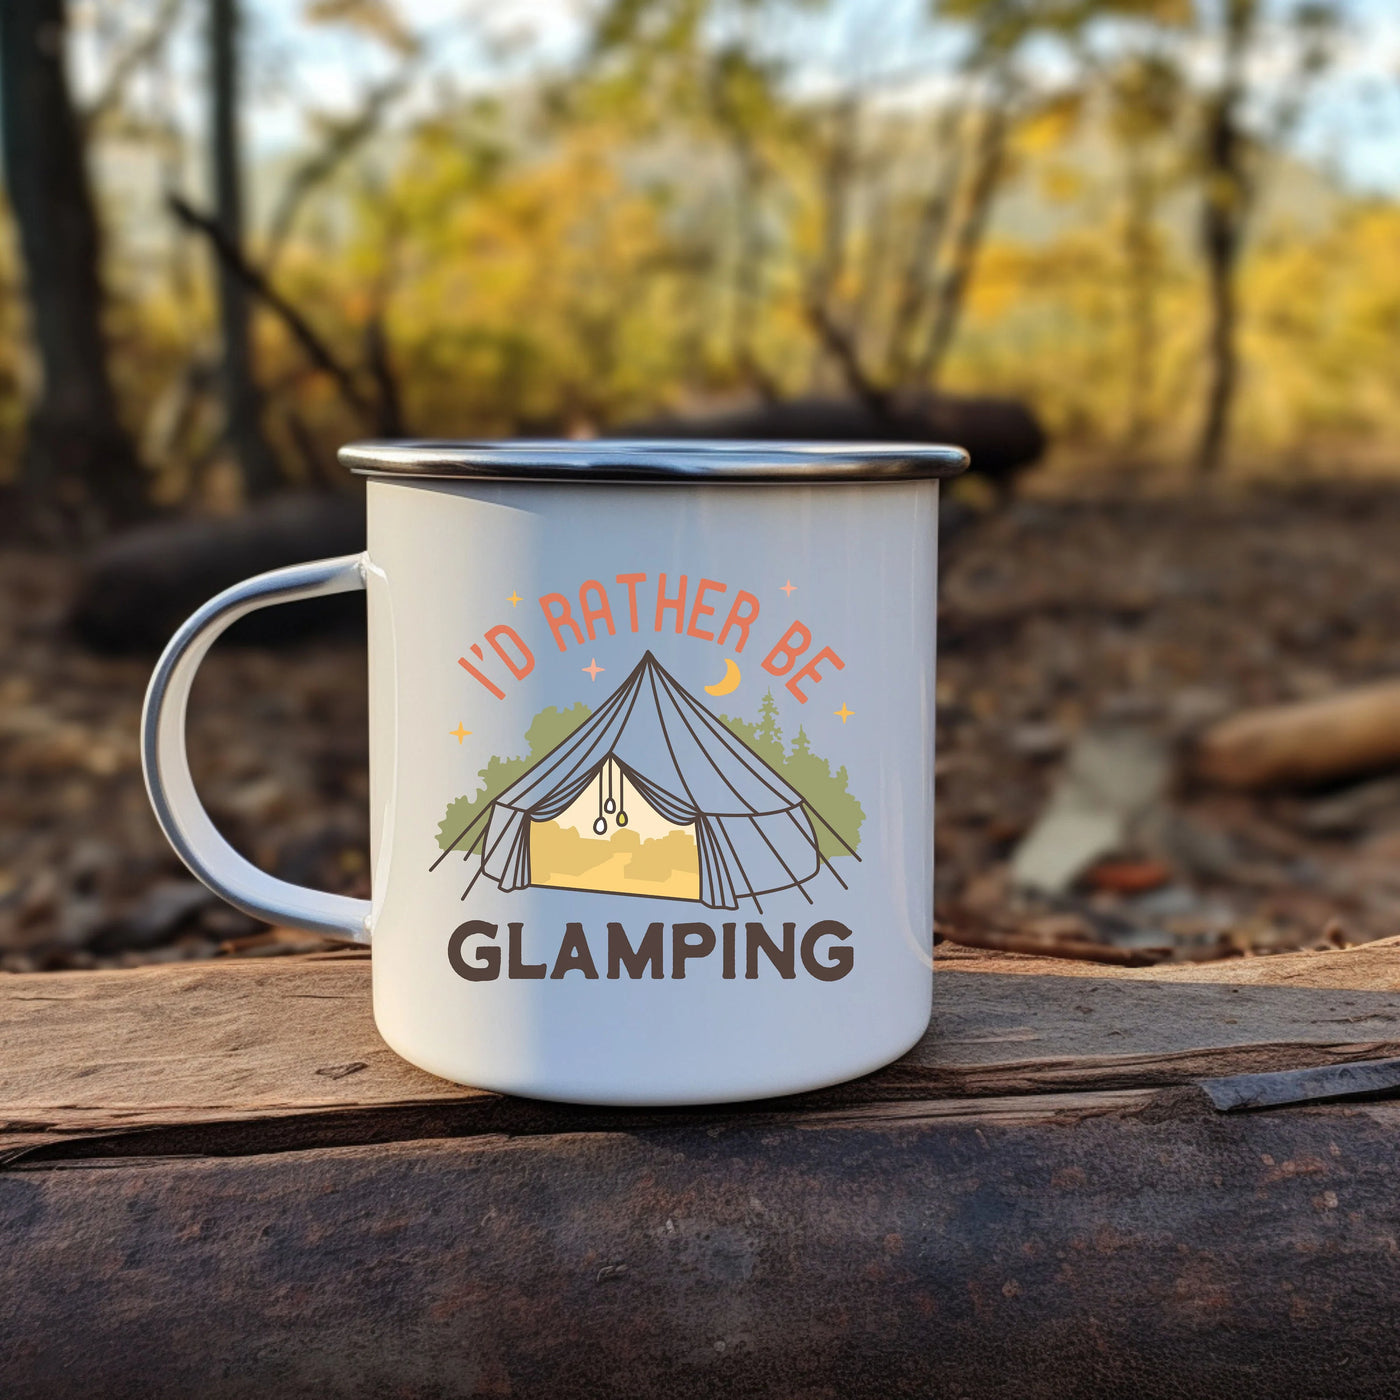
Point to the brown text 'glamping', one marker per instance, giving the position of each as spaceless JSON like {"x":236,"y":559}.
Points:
{"x":823,"y":952}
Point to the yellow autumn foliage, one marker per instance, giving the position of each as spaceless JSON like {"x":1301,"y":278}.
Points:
{"x":580,"y":275}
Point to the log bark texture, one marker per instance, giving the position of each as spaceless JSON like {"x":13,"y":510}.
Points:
{"x":220,"y":1182}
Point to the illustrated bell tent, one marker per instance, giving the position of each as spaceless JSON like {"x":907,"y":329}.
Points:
{"x":651,"y":739}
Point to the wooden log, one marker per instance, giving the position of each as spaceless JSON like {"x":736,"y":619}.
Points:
{"x":1368,"y":967}
{"x":283,"y":1052}
{"x":215,"y":1179}
{"x":1307,"y":744}
{"x":137,"y":587}
{"x":1003,"y":436}
{"x":1158,"y":1250}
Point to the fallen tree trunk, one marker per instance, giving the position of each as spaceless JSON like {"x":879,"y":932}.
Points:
{"x":1062,"y":1246}
{"x":139,"y":586}
{"x":215,"y":1179}
{"x":1306,"y":744}
{"x":1003,"y":436}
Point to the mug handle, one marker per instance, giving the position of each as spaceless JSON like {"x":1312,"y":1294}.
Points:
{"x":166,"y":766}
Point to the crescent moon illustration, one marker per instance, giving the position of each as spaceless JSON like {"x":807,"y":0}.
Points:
{"x":732,"y":677}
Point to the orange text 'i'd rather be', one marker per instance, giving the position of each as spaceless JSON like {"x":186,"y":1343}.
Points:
{"x":709,"y":612}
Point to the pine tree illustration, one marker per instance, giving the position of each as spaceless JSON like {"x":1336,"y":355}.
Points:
{"x":768,"y":736}
{"x":808,"y":772}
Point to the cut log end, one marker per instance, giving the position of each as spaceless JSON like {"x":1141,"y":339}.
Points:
{"x":1304,"y":745}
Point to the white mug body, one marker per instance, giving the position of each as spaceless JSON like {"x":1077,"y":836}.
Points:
{"x":651,"y":782}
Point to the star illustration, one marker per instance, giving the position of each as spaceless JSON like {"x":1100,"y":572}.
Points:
{"x":593,"y":670}
{"x":459,"y":733}
{"x":789,"y":588}
{"x":843,"y":714}
{"x":514,"y":598}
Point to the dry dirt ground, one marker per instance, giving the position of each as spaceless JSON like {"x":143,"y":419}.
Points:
{"x":1164,"y":615}
{"x":1057,"y":615}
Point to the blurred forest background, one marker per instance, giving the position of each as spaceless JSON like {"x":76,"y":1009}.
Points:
{"x":238,"y":233}
{"x":251,"y":231}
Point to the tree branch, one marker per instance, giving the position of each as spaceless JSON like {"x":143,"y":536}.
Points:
{"x":319,"y":167}
{"x":315,"y":348}
{"x":142,"y":48}
{"x":841,"y":347}
{"x":920,"y":272}
{"x":390,"y":417}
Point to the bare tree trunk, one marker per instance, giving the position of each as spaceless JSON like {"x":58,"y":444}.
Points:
{"x":839,"y":339}
{"x":742,"y":306}
{"x":1139,"y":251}
{"x":748,"y":269}
{"x":838,"y":178}
{"x":242,"y":399}
{"x":748,"y":280}
{"x":1220,"y":244}
{"x":1223,"y":214}
{"x":80,"y":470}
{"x":921,"y":267}
{"x":966,"y":243}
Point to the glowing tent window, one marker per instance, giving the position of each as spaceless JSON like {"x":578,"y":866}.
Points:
{"x":609,"y":839}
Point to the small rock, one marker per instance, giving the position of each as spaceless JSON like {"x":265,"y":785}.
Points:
{"x":1114,"y":776}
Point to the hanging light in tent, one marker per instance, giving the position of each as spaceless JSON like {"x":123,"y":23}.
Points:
{"x":600,"y":826}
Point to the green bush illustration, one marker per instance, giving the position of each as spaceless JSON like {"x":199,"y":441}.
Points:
{"x":826,"y":792}
{"x":547,"y":731}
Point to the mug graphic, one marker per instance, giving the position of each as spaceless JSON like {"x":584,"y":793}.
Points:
{"x":653,"y":795}
{"x":651,"y":762}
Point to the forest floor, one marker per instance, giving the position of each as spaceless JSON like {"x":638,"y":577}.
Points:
{"x":1061,"y":617}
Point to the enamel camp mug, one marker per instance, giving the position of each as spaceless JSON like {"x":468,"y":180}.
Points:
{"x":651,"y":761}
